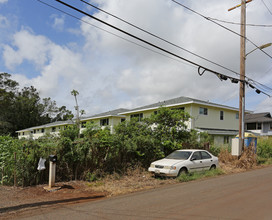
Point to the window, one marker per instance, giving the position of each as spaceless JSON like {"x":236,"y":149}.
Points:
{"x":155,"y":112}
{"x":226,"y":139}
{"x":237,"y":115}
{"x":42,"y":130}
{"x":83,"y":124}
{"x":205,"y":155}
{"x":251,"y":126}
{"x":197,"y":155}
{"x":203,"y":111}
{"x":123,"y":119}
{"x":53,"y":129}
{"x":104,"y":122}
{"x":138,"y":116}
{"x":270,"y":126}
{"x":259,"y":126}
{"x":23,"y":133}
{"x":221,"y":115}
{"x":34,"y":131}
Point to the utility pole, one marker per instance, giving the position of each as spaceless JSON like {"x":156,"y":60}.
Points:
{"x":242,"y":75}
{"x":242,"y":72}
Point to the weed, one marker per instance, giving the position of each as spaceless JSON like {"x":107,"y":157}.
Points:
{"x":199,"y":175}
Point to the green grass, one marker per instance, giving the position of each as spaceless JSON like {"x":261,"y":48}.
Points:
{"x":199,"y":175}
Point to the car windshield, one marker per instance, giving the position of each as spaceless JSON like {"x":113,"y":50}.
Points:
{"x":179,"y":155}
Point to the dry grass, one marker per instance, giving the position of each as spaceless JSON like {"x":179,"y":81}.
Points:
{"x":135,"y":180}
{"x":139,"y":179}
{"x":234,"y":164}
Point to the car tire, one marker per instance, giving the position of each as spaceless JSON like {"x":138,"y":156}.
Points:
{"x":213,"y":167}
{"x":182,"y":170}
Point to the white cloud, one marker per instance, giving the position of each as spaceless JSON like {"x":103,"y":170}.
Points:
{"x":58,"y":22}
{"x":110,"y":72}
{"x":3,"y":1}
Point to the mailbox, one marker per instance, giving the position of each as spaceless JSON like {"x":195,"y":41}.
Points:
{"x":53,"y":158}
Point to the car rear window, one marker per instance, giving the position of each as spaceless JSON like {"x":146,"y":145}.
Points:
{"x":179,"y":155}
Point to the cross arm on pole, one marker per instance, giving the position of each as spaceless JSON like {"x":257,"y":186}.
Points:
{"x":237,"y":6}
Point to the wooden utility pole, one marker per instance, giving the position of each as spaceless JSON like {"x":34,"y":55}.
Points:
{"x":242,"y":71}
{"x":242,"y":74}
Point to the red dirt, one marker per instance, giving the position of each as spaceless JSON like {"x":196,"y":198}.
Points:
{"x":14,"y":200}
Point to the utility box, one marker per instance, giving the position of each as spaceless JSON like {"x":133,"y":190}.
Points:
{"x":236,"y":147}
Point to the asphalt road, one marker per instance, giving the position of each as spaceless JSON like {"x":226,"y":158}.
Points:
{"x":238,"y":196}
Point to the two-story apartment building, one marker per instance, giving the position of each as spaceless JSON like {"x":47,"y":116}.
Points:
{"x":259,"y":123}
{"x":220,"y":121}
{"x":109,"y":119}
{"x":38,"y":131}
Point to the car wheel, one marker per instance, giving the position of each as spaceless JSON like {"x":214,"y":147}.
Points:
{"x":182,"y":170}
{"x":213,"y":167}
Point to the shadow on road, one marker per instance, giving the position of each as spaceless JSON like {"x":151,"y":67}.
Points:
{"x":37,"y":204}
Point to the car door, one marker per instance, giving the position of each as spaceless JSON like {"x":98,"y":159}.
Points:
{"x":207,"y":160}
{"x":196,"y":162}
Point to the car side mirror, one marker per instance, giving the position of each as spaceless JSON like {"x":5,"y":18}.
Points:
{"x":193,"y":158}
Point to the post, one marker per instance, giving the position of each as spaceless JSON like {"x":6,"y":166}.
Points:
{"x":52,"y":174}
{"x":15,"y":181}
{"x":242,"y":74}
{"x":3,"y":176}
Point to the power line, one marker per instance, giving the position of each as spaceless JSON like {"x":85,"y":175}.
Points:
{"x":266,"y":7}
{"x":102,"y":29}
{"x":236,"y":23}
{"x":201,"y":69}
{"x":207,"y":18}
{"x":160,"y":38}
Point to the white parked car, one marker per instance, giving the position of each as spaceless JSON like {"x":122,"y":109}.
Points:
{"x":184,"y":161}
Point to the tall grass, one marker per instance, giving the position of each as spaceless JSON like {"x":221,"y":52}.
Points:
{"x":264,"y":150}
{"x":199,"y":175}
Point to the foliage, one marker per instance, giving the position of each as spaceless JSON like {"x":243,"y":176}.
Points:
{"x":264,"y":148}
{"x":169,"y":128}
{"x":199,"y":175}
{"x":97,"y":151}
{"x":24,"y":108}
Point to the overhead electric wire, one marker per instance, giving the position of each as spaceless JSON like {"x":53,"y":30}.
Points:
{"x":137,"y":27}
{"x":266,"y":7}
{"x":115,"y":34}
{"x":160,"y":38}
{"x":236,"y":23}
{"x":207,"y":18}
{"x":221,"y":76}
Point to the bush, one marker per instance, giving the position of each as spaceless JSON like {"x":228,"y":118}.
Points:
{"x":264,"y":148}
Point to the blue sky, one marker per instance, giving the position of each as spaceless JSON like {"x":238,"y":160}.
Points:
{"x":56,"y":53}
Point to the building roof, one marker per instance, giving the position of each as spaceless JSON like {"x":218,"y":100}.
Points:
{"x":258,"y":117}
{"x":219,"y":131}
{"x":115,"y":113}
{"x":178,"y":101}
{"x":52,"y":124}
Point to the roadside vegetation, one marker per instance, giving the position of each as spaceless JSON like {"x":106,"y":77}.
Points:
{"x":97,"y":153}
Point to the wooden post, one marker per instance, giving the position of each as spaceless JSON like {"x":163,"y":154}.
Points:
{"x":2,"y":176}
{"x":15,"y":181}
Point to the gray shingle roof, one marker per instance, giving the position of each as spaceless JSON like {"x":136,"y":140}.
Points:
{"x":258,"y":117}
{"x":52,"y":124}
{"x":109,"y":113}
{"x":179,"y":100}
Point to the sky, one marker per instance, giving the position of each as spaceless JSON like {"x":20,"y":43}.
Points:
{"x":59,"y":51}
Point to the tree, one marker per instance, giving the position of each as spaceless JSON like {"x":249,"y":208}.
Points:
{"x":169,"y":128}
{"x":24,"y":108}
{"x":8,"y":90}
